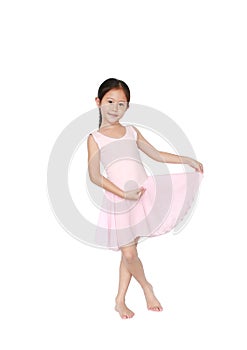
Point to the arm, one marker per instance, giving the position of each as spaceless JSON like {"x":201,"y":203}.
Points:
{"x":164,"y":157}
{"x":94,"y":169}
{"x":100,"y":180}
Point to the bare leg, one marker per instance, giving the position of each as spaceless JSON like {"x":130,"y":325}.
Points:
{"x":124,"y":281}
{"x":135,"y":268}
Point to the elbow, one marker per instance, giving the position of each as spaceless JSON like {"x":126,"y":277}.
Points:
{"x":95,"y":178}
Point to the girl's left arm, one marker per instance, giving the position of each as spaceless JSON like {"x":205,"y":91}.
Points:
{"x":165,"y":157}
{"x":173,"y":158}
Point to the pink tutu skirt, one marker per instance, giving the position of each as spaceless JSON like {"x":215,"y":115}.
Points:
{"x":166,"y":201}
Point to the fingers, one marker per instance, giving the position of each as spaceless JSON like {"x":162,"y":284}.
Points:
{"x":141,"y":191}
{"x":201,"y":167}
{"x":135,"y":194}
{"x":198,"y":167}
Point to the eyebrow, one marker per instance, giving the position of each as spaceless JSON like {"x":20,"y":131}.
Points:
{"x":115,"y":100}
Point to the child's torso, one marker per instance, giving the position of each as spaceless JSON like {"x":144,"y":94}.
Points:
{"x":121,"y":159}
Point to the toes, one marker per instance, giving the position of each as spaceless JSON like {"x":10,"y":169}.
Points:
{"x":156,"y":308}
{"x":124,"y":312}
{"x":124,"y":316}
{"x":127,"y":316}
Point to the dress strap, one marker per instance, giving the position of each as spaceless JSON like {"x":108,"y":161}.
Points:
{"x":133,"y":132}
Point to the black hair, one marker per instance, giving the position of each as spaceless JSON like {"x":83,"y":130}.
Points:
{"x":109,"y":84}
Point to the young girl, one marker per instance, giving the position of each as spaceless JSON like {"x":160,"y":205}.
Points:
{"x":135,"y":205}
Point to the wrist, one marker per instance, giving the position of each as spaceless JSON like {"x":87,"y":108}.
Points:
{"x":186,"y":160}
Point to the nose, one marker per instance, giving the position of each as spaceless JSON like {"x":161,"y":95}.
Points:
{"x":115,"y":106}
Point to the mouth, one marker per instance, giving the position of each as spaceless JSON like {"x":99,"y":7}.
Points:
{"x":113,"y":115}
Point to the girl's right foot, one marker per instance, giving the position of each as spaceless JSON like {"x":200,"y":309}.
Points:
{"x":123,"y":310}
{"x":152,"y":302}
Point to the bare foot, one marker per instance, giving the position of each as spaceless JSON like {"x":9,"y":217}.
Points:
{"x":152,"y":302}
{"x":124,"y":312}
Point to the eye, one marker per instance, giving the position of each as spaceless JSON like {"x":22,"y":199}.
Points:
{"x":109,"y":101}
{"x":122,"y":104}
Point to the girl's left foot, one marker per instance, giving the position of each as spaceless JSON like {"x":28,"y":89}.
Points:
{"x":123,"y":310}
{"x":152,"y":302}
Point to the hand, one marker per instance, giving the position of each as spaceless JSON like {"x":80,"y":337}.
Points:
{"x":134,"y":194}
{"x":195,"y":164}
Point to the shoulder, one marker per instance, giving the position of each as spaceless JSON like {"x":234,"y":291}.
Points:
{"x":92,"y":136}
{"x":132,"y":127}
{"x":141,"y":140}
{"x":92,"y":140}
{"x":133,"y":130}
{"x":136,"y":131}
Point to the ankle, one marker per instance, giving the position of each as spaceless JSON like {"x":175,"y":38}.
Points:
{"x":120,"y":300}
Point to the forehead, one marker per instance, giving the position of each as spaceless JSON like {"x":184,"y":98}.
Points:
{"x":116,"y":94}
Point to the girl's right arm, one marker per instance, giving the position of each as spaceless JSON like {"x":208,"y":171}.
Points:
{"x":100,"y":180}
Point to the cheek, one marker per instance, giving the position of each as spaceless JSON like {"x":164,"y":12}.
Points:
{"x":121,"y":113}
{"x":105,"y":107}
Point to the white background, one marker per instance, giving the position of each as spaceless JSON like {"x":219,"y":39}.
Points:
{"x":185,"y":58}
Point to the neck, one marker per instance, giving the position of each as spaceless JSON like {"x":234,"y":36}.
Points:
{"x":104,"y":125}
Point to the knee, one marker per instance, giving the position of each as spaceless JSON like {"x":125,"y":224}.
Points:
{"x":130,"y":255}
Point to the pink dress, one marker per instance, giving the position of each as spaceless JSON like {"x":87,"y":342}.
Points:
{"x":166,"y":201}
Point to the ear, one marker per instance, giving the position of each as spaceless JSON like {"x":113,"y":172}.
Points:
{"x":97,"y":100}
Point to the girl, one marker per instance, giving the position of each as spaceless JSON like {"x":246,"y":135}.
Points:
{"x":134,"y":204}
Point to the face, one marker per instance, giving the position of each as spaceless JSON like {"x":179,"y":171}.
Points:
{"x":113,"y":106}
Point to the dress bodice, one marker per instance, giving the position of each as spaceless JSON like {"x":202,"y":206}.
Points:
{"x":121,"y":159}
